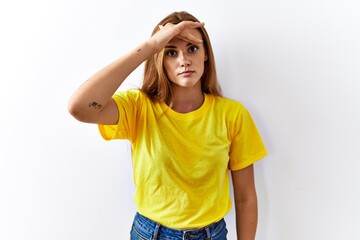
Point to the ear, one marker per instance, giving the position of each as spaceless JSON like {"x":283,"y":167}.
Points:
{"x":205,"y":57}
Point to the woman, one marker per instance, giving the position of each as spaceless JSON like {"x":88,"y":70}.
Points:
{"x":185,"y":136}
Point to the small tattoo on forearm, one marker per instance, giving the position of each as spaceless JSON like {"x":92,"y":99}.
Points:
{"x":139,"y":50}
{"x":95,"y":105}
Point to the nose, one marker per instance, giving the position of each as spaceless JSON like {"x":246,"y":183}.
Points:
{"x":186,"y":63}
{"x":184,"y":60}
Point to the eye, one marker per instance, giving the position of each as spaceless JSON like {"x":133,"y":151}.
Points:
{"x":193,"y":48}
{"x":171,"y":53}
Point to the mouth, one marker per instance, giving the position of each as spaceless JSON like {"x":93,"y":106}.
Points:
{"x":186,"y":73}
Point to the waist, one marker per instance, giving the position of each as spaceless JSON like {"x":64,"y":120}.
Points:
{"x":156,"y":229}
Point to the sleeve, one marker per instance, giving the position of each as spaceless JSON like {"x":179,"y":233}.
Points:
{"x":128,"y":103}
{"x":247,"y":146}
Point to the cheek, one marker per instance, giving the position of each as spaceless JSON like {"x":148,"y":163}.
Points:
{"x":169,"y":67}
{"x":168,"y":71}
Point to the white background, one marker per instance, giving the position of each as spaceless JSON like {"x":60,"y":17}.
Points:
{"x":295,"y":64}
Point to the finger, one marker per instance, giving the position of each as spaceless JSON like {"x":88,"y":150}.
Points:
{"x":184,"y":33}
{"x":190,"y":38}
{"x":189,"y":25}
{"x":192,"y":24}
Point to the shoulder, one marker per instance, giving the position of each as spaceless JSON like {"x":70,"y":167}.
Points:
{"x":132,"y":99}
{"x":227,"y":104}
{"x":133,"y":95}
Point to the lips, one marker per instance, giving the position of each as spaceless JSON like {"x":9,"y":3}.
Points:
{"x":186,"y":73}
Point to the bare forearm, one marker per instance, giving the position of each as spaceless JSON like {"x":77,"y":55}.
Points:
{"x":246,"y":219}
{"x":98,"y":90}
{"x":91,"y":102}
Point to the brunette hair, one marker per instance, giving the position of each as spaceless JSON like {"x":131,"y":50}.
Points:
{"x":156,"y":83}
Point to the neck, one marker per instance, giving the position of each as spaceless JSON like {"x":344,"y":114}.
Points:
{"x":186,"y":100}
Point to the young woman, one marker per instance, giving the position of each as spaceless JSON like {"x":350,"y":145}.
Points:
{"x":186,"y":138}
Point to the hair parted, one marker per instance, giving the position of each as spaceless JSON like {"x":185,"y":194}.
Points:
{"x":156,"y":83}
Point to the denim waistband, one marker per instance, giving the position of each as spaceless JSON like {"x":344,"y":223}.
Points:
{"x":156,"y":229}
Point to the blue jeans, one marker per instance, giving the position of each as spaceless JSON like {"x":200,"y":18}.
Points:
{"x":146,"y":229}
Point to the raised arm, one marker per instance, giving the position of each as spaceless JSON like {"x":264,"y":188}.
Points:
{"x":92,"y":101}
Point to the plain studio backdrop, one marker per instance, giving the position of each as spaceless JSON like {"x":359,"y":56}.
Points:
{"x":294,"y":64}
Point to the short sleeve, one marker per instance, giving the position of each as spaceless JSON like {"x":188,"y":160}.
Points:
{"x":128,"y":103}
{"x":247,"y":146}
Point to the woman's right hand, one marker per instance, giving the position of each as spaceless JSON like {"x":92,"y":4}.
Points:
{"x":92,"y":101}
{"x":159,"y":40}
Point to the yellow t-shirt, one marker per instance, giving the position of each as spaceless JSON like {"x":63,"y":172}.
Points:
{"x":181,"y":160}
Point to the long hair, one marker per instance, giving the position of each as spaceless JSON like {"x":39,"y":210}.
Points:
{"x":156,"y":83}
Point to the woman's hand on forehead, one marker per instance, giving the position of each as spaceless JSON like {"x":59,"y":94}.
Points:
{"x":170,"y":31}
{"x":183,"y":30}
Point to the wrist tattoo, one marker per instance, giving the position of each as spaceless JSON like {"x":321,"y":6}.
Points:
{"x":95,"y":105}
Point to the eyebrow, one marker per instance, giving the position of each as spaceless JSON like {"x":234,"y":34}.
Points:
{"x":173,"y":46}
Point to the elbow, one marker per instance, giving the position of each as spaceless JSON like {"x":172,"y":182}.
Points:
{"x":79,"y":113}
{"x":249,"y":198}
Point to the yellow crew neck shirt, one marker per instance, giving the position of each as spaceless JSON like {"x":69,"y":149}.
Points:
{"x":181,"y":161}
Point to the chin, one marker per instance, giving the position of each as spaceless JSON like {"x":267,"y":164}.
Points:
{"x":188,"y":83}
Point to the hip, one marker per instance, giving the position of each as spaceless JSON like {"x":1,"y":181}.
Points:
{"x":144,"y":228}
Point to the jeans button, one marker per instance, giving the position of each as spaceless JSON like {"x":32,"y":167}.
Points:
{"x":189,"y":236}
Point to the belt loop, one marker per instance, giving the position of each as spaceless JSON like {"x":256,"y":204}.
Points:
{"x":156,"y":231}
{"x":208,"y":234}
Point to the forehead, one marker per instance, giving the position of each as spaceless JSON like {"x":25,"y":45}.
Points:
{"x":195,"y":32}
